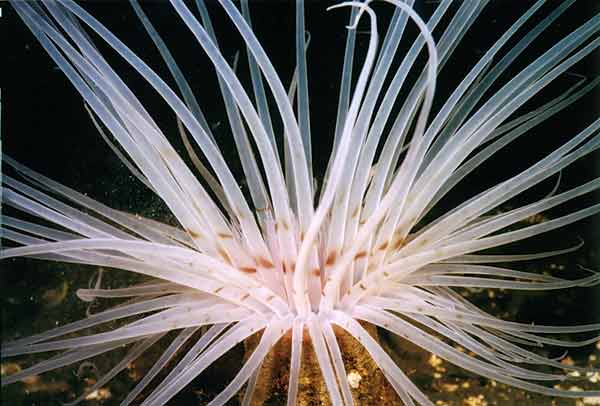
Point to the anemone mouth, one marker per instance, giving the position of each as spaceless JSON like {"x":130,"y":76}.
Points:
{"x":379,"y":242}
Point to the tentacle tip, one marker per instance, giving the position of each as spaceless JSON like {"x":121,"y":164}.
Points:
{"x":577,"y":75}
{"x":83,"y":296}
{"x":585,"y":268}
{"x":362,"y":7}
{"x":307,"y":37}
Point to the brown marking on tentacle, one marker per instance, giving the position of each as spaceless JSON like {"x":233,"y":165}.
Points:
{"x":360,"y":255}
{"x":331,"y":258}
{"x":398,"y":244}
{"x":264,"y":263}
{"x":193,"y":234}
{"x":224,"y":255}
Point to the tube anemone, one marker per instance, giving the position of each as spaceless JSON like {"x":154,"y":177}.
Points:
{"x":317,"y":262}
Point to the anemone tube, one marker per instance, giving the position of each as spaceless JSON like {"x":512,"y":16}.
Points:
{"x":292,"y":259}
